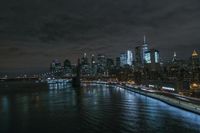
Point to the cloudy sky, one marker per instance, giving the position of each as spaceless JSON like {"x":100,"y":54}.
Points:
{"x":34,"y":32}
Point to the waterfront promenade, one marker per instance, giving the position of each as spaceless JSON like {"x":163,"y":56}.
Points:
{"x":183,"y":102}
{"x":174,"y":100}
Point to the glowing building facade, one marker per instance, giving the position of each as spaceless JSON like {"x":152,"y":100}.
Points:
{"x":123,"y":59}
{"x":152,"y":59}
{"x":144,"y":49}
{"x":129,"y":57}
{"x":126,"y":58}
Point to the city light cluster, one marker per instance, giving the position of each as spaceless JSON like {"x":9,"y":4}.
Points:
{"x":142,"y":65}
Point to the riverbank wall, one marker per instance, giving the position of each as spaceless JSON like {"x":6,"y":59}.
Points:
{"x":171,"y":101}
{"x":195,"y":108}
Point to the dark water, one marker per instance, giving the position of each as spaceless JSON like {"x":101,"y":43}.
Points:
{"x":95,"y":108}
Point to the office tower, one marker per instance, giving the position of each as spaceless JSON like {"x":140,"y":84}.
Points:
{"x":67,"y":63}
{"x":195,"y":66}
{"x":138,"y":56}
{"x":152,"y":59}
{"x":129,"y":57}
{"x":140,"y":53}
{"x":84,"y":59}
{"x":93,"y":61}
{"x":110,"y":66}
{"x":126,"y":58}
{"x":123,"y":59}
{"x":93,"y":65}
{"x":101,"y":64}
{"x":85,"y":67}
{"x":117,"y":61}
{"x":144,"y":49}
{"x":55,"y":65}
{"x":195,"y":58}
{"x":110,"y":63}
{"x":67,"y":68}
{"x":174,"y":59}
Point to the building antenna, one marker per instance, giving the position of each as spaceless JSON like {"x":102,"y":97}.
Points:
{"x":145,"y":39}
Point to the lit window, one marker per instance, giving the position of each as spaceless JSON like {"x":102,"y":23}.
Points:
{"x":148,"y":58}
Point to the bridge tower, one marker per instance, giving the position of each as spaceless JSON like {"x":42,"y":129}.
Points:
{"x":76,"y":82}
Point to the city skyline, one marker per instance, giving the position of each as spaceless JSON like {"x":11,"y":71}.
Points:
{"x":17,"y":71}
{"x":99,"y":66}
{"x":35,"y":32}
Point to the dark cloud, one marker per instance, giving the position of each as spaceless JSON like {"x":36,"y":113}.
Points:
{"x":33,"y":32}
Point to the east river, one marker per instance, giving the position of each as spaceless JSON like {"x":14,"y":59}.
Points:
{"x":92,"y":109}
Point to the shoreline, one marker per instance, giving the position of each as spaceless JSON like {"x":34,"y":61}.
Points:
{"x":171,"y":101}
{"x":187,"y":106}
{"x":180,"y":102}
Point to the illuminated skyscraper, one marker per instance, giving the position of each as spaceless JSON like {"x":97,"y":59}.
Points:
{"x":152,"y":59}
{"x":195,"y":66}
{"x":144,"y":49}
{"x":129,"y":57}
{"x":152,"y":56}
{"x":195,"y":59}
{"x":194,"y":54}
{"x":140,"y":53}
{"x":174,"y":57}
{"x":123,"y":59}
{"x":126,"y":58}
{"x":148,"y":57}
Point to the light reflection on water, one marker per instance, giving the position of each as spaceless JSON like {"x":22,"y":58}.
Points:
{"x":95,"y":108}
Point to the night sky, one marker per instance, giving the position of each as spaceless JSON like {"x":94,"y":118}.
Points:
{"x":34,"y":32}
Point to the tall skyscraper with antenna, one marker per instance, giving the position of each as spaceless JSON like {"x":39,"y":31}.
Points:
{"x":144,"y":49}
{"x":174,"y":57}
